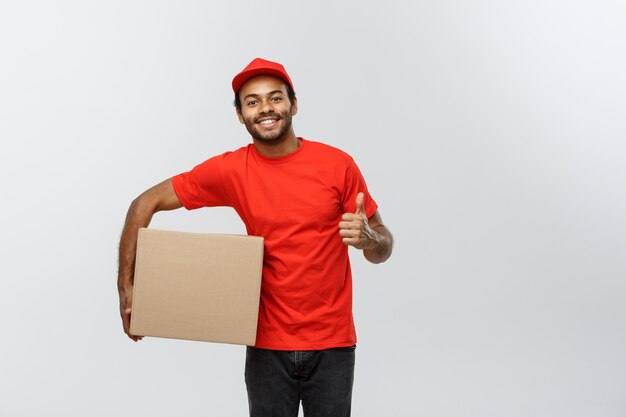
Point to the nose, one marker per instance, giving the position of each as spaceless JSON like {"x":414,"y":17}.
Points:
{"x":266,"y":107}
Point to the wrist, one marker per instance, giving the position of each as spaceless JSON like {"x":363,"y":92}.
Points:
{"x":124,"y":284}
{"x":373,"y":239}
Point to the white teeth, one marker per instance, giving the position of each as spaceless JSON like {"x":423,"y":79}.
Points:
{"x":268,"y":121}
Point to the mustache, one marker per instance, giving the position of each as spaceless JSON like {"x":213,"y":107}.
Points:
{"x":265,"y":116}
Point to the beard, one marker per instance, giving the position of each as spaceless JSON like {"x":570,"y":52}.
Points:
{"x":273,"y":136}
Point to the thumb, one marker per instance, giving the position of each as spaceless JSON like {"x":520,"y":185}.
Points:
{"x":359,"y":203}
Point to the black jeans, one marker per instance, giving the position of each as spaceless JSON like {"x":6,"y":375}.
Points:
{"x":277,"y":381}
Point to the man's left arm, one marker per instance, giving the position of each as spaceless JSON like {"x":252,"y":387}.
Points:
{"x":369,"y":235}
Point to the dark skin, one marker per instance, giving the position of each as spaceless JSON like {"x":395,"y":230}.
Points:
{"x":158,"y":198}
{"x":264,"y":98}
{"x":266,"y":111}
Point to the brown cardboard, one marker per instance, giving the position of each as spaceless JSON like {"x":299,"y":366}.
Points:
{"x":197,"y":286}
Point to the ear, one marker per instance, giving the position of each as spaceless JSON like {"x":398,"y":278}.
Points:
{"x":239,"y":116}
{"x":294,"y":106}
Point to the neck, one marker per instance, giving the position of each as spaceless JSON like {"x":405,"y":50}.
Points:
{"x":283,"y":146}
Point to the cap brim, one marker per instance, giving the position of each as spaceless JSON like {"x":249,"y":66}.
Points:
{"x":244,"y":76}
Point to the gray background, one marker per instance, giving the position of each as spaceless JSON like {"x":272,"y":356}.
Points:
{"x":491,"y":134}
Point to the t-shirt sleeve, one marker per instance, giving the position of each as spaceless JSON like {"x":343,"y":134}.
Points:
{"x":353,"y":185}
{"x":203,"y":186}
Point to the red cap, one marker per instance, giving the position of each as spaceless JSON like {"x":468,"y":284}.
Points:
{"x":260,"y":66}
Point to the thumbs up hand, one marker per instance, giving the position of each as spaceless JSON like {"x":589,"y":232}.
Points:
{"x":354,"y":228}
{"x":359,"y":204}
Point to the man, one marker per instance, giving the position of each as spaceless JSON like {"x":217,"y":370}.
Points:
{"x":309,"y":201}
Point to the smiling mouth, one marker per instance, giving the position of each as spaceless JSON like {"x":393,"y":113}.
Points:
{"x":268,"y":123}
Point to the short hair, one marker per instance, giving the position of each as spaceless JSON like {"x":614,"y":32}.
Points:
{"x":290,"y":93}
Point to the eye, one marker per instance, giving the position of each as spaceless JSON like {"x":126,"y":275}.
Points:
{"x":276,"y":99}
{"x":251,"y":103}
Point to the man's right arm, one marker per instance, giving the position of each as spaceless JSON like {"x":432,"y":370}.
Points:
{"x":158,"y":198}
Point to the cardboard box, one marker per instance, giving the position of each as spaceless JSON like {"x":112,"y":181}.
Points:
{"x":197,"y":286}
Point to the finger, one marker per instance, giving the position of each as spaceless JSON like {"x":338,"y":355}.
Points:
{"x":350,"y":224}
{"x":126,"y":319}
{"x":126,"y":323}
{"x":351,"y":217}
{"x":350,"y":233}
{"x":360,"y":197}
{"x":135,"y":338}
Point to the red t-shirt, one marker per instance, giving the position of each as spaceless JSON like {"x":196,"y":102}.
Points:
{"x":295,"y":202}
